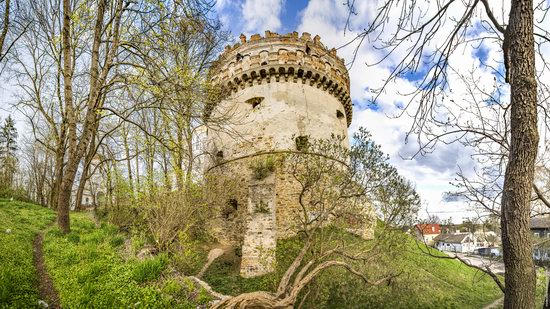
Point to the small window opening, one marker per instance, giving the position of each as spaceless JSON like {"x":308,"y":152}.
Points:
{"x":219,"y":154}
{"x":308,"y":50}
{"x":239,"y":57}
{"x":302,"y":143}
{"x":233,"y":203}
{"x":264,"y":63}
{"x":230,"y":208}
{"x":339,"y":114}
{"x":255,"y":101}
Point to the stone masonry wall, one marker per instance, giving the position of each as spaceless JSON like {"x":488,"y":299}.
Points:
{"x":281,"y":89}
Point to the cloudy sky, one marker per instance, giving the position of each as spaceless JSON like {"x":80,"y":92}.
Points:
{"x":431,"y":173}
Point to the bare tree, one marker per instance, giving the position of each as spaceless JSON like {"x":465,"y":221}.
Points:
{"x":12,"y":26}
{"x":336,"y":187}
{"x":430,"y":38}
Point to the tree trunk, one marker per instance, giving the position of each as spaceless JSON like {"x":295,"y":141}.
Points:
{"x":520,"y":275}
{"x":86,"y":170}
{"x":66,"y":179}
{"x":137,"y":169}
{"x":125,"y":134}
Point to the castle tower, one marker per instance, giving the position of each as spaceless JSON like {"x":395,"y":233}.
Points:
{"x":280,"y":90}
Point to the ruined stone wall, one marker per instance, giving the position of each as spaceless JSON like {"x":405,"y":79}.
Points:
{"x":281,"y":89}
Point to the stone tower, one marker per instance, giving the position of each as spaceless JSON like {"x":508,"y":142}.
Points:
{"x":280,"y":89}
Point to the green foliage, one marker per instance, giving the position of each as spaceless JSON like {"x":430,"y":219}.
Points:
{"x":18,"y":277}
{"x":188,"y":257}
{"x":90,"y":273}
{"x":425,"y":282}
{"x":116,"y":241}
{"x":261,"y":208}
{"x":150,"y":269}
{"x":74,"y":238}
{"x":8,"y":155}
{"x":394,"y":197}
{"x":184,"y":291}
{"x":18,"y":194}
{"x":263,"y":167}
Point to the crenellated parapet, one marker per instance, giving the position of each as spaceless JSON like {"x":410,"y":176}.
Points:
{"x":283,"y":58}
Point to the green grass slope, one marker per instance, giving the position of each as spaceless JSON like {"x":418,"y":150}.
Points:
{"x":91,"y":268}
{"x":89,"y":271}
{"x":425,"y":282}
{"x":18,"y":277}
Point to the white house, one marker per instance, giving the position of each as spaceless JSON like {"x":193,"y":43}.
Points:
{"x":463,"y":242}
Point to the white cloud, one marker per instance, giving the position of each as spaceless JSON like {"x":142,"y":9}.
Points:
{"x":261,"y":15}
{"x":433,"y":172}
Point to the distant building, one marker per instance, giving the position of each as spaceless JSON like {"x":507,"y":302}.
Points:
{"x":488,"y":251}
{"x":540,"y":227}
{"x":463,"y":242}
{"x":427,"y":232}
{"x":94,"y":187}
{"x":487,"y":238}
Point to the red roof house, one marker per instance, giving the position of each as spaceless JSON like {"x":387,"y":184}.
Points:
{"x":428,"y":229}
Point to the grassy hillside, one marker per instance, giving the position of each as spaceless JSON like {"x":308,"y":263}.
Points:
{"x":91,"y":269}
{"x":86,"y":265}
{"x":425,"y":282}
{"x":19,"y":223}
{"x":96,"y":267}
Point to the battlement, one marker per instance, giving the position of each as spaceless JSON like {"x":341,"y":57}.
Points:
{"x":283,"y":58}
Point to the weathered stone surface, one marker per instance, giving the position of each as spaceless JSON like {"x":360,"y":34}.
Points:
{"x":260,"y":239}
{"x":282,"y":87}
{"x":285,"y":58}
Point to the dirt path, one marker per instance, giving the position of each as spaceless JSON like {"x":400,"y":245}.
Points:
{"x":45,"y":283}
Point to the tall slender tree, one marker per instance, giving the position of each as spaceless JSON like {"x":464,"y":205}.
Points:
{"x":8,"y":149}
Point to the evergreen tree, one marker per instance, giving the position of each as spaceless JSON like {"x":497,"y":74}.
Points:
{"x":8,"y":149}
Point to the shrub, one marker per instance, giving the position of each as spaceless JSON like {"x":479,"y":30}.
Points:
{"x":187,"y":258}
{"x":150,"y":269}
{"x":263,"y":167}
{"x":168,"y":214}
{"x":18,"y":194}
{"x":116,"y":241}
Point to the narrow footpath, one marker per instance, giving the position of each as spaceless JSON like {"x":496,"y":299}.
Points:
{"x":45,"y":283}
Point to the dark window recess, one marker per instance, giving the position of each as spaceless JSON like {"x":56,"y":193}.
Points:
{"x":255,"y":101}
{"x":264,"y":63}
{"x":239,"y":57}
{"x":219,"y":154}
{"x":302,"y":143}
{"x":230,"y":208}
{"x":308,"y":50}
{"x":339,"y":114}
{"x":233,"y":203}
